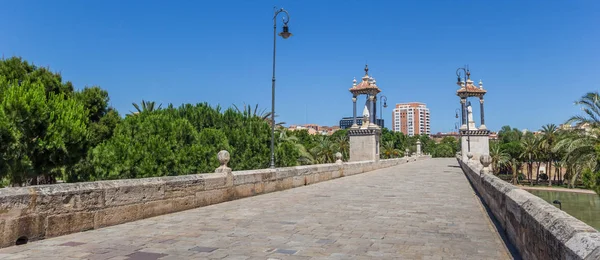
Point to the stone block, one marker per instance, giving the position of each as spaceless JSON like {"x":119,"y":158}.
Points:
{"x":184,"y":203}
{"x":583,"y":245}
{"x":298,"y":181}
{"x":15,"y":202}
{"x":123,"y":192}
{"x":270,"y":186}
{"x":259,"y":187}
{"x":214,"y":181}
{"x":214,"y":196}
{"x":269,"y":175}
{"x":283,"y":173}
{"x":3,"y":233}
{"x":70,"y":198}
{"x":62,"y":224}
{"x":117,"y":215}
{"x":156,"y":208}
{"x":182,"y":186}
{"x":285,"y":183}
{"x":31,"y":227}
{"x":244,"y":190}
{"x":246,"y":177}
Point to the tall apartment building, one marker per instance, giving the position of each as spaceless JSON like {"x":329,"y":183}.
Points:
{"x":411,"y":119}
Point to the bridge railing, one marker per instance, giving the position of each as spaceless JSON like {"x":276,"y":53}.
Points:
{"x":37,"y":212}
{"x":536,"y":228}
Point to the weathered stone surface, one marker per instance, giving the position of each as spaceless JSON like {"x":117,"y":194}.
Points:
{"x":117,"y":215}
{"x":583,"y":245}
{"x":63,"y":224}
{"x":385,"y":214}
{"x":30,"y":227}
{"x":537,"y":229}
{"x":123,"y":192}
{"x":52,"y":210}
{"x":186,"y":185}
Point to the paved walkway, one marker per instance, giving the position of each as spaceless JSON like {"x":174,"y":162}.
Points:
{"x":422,"y":210}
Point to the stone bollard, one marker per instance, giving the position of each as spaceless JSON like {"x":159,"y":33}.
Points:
{"x":338,"y":158}
{"x":469,"y":157}
{"x":485,"y":160}
{"x":223,"y":157}
{"x":406,"y":154}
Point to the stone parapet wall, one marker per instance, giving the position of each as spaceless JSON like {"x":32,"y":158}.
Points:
{"x":536,"y":228}
{"x":44,"y":211}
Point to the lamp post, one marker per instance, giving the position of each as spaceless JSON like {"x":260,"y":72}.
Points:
{"x":457,"y":123}
{"x":467,"y":74}
{"x":284,"y":34}
{"x":384,"y":99}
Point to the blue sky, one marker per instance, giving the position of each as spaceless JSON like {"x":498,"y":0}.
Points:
{"x":535,"y":57}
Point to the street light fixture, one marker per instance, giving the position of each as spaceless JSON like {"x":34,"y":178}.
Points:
{"x":284,"y":34}
{"x":384,"y":98}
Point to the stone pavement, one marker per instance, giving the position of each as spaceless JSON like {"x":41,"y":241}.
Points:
{"x":421,"y":210}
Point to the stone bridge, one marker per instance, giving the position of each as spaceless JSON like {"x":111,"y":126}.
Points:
{"x":389,"y":209}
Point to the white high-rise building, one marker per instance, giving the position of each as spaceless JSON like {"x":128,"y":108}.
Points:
{"x":411,"y":119}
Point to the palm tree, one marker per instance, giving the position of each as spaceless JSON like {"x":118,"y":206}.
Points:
{"x":499,"y":157}
{"x":580,"y":149}
{"x":529,"y":154}
{"x":145,"y":107}
{"x":549,"y":139}
{"x":263,"y":114}
{"x":590,"y":103}
{"x":343,"y":144}
{"x":389,"y":151}
{"x":324,"y":151}
{"x":305,"y":156}
{"x":580,"y":146}
{"x":515,"y":165}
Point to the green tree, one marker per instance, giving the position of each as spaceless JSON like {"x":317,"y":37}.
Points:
{"x":146,"y":106}
{"x":49,"y":130}
{"x":15,"y":69}
{"x":549,"y":140}
{"x":499,"y":157}
{"x":581,"y":147}
{"x":388,"y":150}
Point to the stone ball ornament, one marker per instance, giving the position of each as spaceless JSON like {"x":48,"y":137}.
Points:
{"x":469,"y":155}
{"x":223,"y":157}
{"x":338,"y":156}
{"x":485,"y":160}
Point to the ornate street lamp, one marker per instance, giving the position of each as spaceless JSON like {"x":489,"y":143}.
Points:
{"x":284,"y":34}
{"x":384,"y":99}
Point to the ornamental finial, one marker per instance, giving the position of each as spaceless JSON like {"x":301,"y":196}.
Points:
{"x":366,"y":69}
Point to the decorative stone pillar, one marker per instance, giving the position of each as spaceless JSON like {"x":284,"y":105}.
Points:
{"x":463,"y":106}
{"x":418,"y":147}
{"x":482,"y":127}
{"x":224,"y":157}
{"x":354,"y":124}
{"x":485,"y":160}
{"x":338,"y":157}
{"x":469,"y":156}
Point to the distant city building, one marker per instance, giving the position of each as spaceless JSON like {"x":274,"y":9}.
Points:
{"x":346,"y":122}
{"x":314,"y":129}
{"x":411,"y":119}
